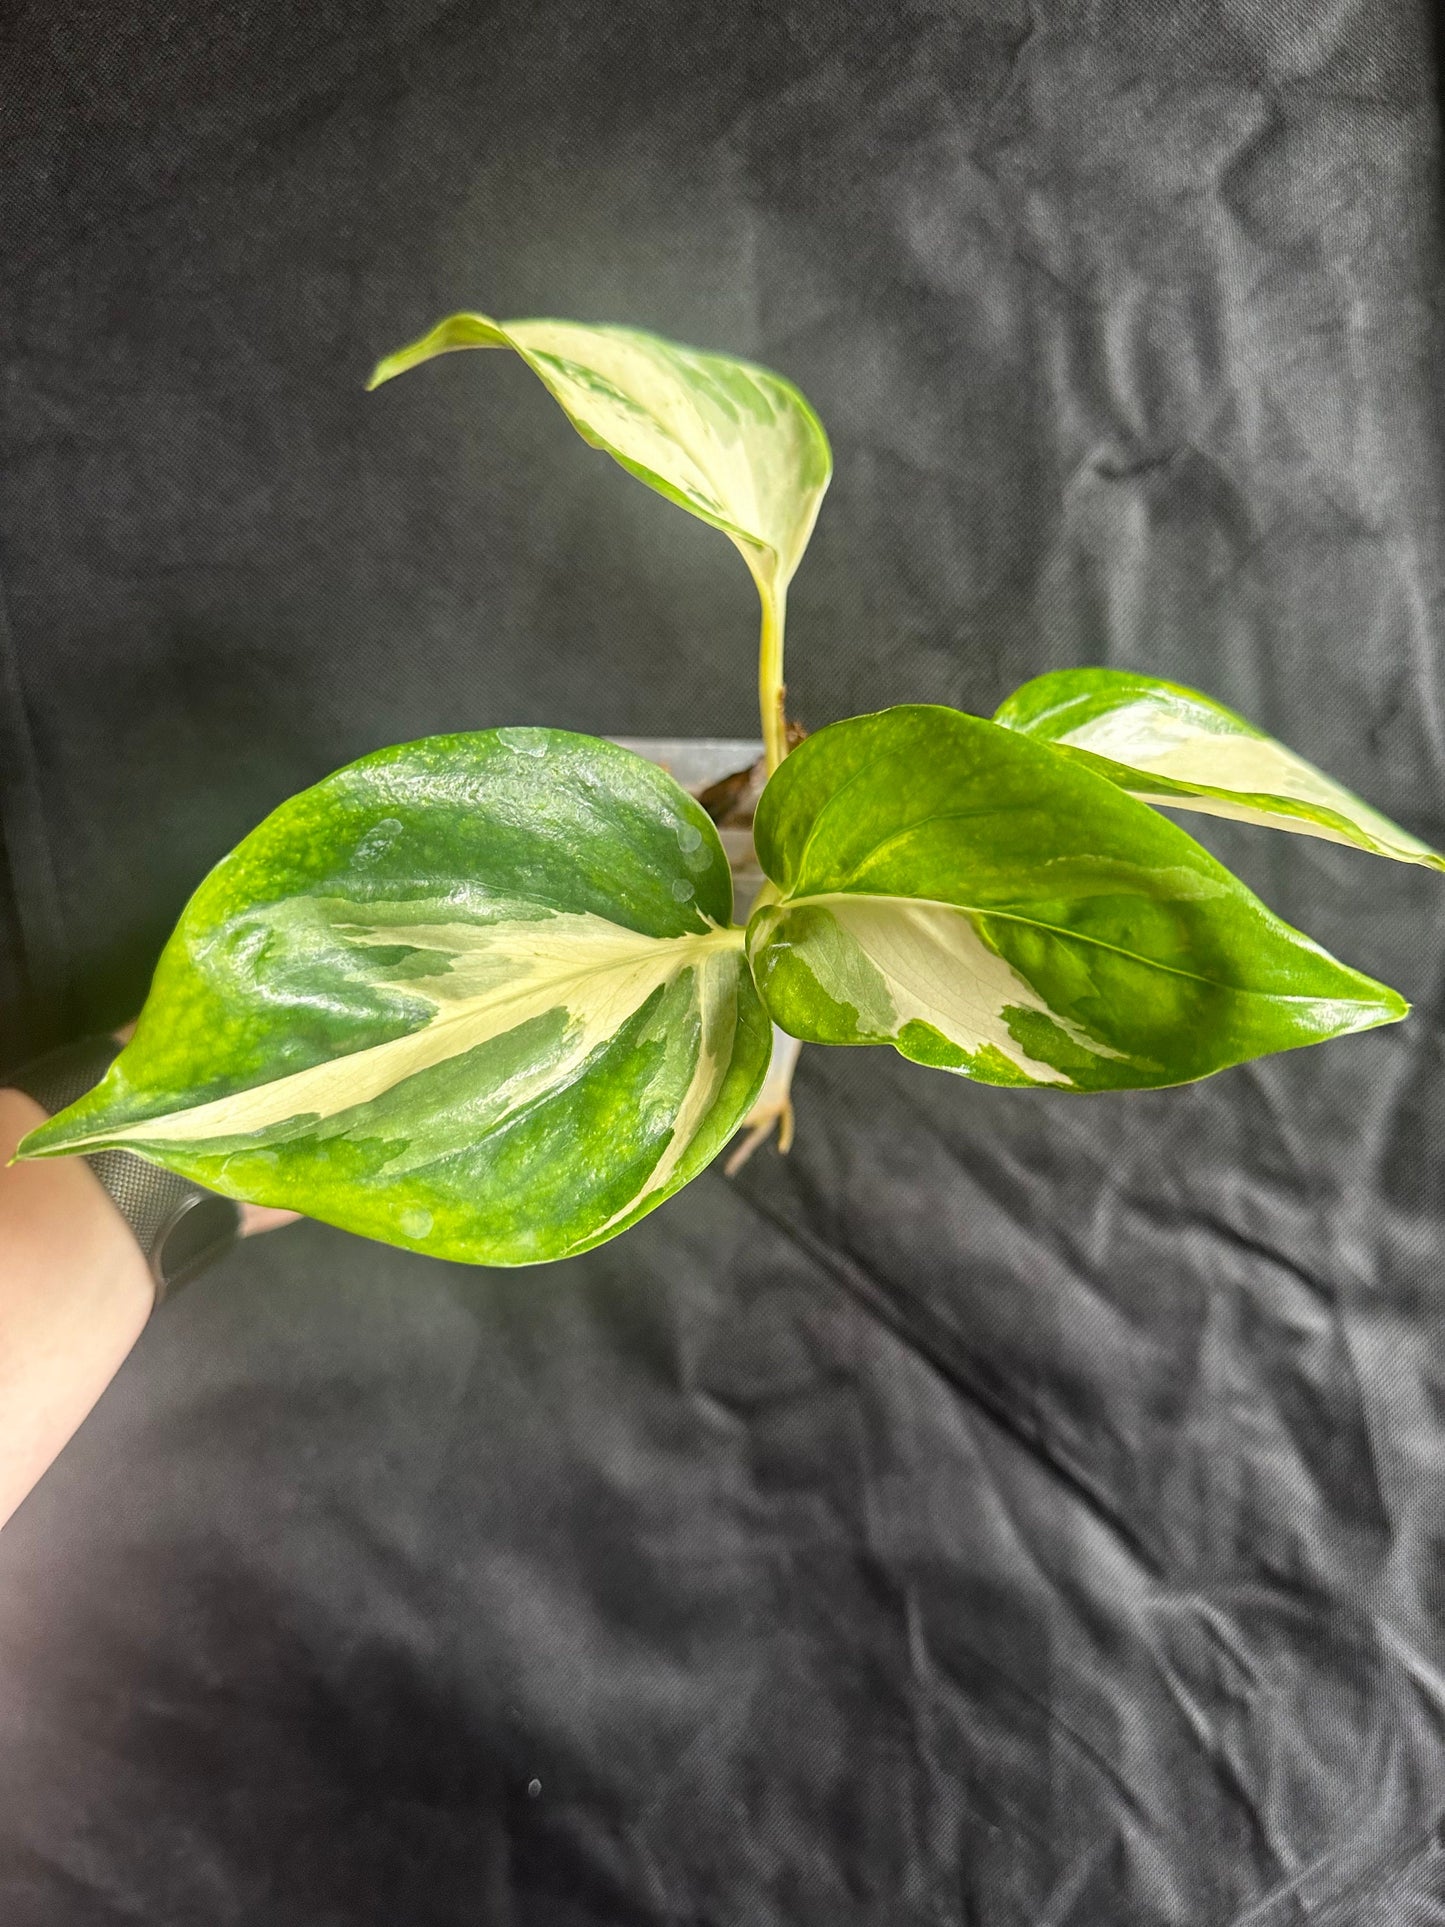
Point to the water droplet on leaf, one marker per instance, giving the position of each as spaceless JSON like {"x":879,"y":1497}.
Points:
{"x":378,"y":839}
{"x":526,"y":742}
{"x":246,"y":1164}
{"x":245,"y":945}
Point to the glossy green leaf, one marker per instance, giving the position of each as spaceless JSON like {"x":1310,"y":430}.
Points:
{"x":732,"y":443}
{"x":1172,"y":746}
{"x":475,"y":995}
{"x":990,"y":907}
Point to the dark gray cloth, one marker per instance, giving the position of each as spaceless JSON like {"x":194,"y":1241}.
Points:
{"x":1009,"y":1510}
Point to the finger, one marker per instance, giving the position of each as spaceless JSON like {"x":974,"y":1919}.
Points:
{"x":256,"y":1218}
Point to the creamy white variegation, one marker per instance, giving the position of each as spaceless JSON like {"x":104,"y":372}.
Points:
{"x":740,"y":453}
{"x":485,"y":980}
{"x":902,"y":960}
{"x":717,"y":1000}
{"x":1155,"y":739}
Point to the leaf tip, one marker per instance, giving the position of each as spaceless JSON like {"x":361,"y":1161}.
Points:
{"x":1386,"y":1006}
{"x":384,"y":370}
{"x":45,"y":1141}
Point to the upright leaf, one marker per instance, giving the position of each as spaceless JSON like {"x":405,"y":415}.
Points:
{"x":1172,"y":746}
{"x":732,"y":443}
{"x":992,"y":908}
{"x":476,"y":995}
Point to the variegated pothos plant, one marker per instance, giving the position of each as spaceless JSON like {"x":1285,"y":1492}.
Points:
{"x":486,"y":995}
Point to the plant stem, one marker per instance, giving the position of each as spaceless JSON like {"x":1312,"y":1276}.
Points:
{"x":772,"y":692}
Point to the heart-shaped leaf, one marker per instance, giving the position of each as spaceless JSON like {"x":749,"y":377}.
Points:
{"x":1172,"y":746}
{"x":732,"y":443}
{"x":993,"y":908}
{"x":476,"y":995}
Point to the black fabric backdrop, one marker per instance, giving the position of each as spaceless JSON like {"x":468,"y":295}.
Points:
{"x":1010,"y":1509}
